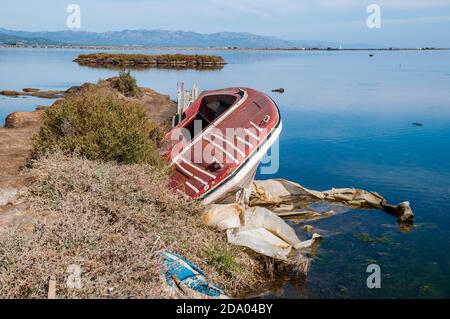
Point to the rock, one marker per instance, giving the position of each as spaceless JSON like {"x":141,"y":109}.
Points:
{"x":48,"y":94}
{"x":308,"y":228}
{"x":10,"y":93}
{"x":79,"y":88}
{"x":158,"y":107}
{"x":31,"y":90}
{"x":24,"y":119}
{"x":34,"y":92}
{"x":8,"y":195}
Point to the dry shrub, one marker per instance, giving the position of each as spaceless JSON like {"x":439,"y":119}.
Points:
{"x":96,"y":124}
{"x":113,"y":221}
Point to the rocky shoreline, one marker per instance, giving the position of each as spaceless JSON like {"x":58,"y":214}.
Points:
{"x":50,"y":94}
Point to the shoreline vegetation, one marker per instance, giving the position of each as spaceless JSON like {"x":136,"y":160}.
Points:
{"x":144,"y":48}
{"x":94,"y":194}
{"x":142,"y":61}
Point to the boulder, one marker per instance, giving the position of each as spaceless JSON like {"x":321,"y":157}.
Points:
{"x":24,"y":119}
{"x":10,"y":93}
{"x":31,"y":90}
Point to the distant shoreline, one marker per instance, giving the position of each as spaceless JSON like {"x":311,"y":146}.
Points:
{"x":134,"y":48}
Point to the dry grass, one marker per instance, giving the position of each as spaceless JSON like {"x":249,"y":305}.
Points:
{"x":113,"y":221}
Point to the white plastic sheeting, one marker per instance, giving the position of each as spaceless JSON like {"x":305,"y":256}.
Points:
{"x":256,"y":228}
{"x":259,"y":217}
{"x":260,"y":240}
{"x":223,"y":216}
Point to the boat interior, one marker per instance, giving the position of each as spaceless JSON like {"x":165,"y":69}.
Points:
{"x":211,"y":108}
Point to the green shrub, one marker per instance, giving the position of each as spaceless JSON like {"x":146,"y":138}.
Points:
{"x":99,"y":126}
{"x":126,"y":84}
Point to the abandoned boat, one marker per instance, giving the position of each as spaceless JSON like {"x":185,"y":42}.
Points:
{"x":218,"y":140}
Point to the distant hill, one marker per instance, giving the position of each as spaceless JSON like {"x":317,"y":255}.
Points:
{"x":162,"y":38}
{"x":155,"y":38}
{"x":13,"y":40}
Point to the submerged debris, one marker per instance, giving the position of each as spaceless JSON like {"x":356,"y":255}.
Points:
{"x":261,"y":228}
{"x":277,"y":193}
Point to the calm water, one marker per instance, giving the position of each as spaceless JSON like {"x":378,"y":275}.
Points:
{"x":347,"y":122}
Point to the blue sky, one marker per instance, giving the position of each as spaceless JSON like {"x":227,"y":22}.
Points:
{"x":403,"y":22}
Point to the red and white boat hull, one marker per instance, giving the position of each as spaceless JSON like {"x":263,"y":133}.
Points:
{"x":217,"y":147}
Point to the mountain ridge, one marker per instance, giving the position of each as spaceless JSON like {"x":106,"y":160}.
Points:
{"x":155,"y":38}
{"x":164,"y":38}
